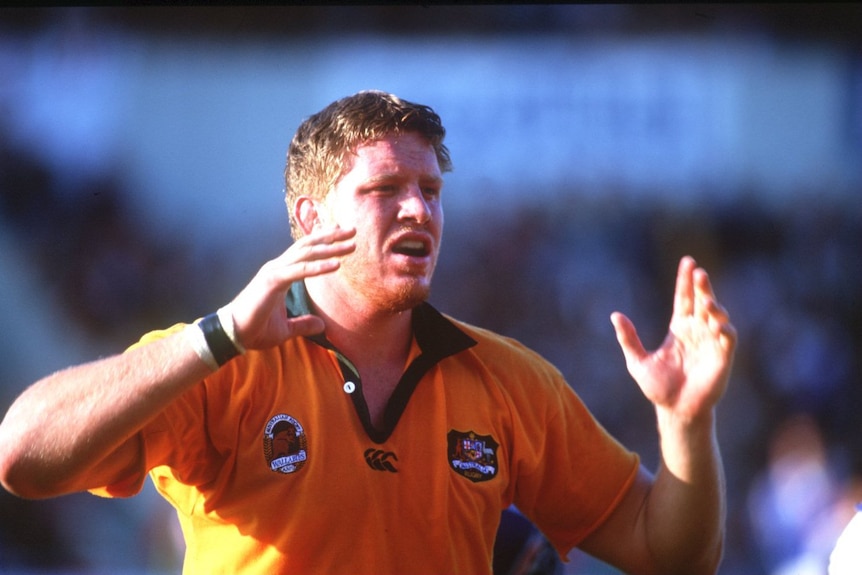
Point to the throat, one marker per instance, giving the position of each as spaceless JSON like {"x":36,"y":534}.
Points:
{"x":378,"y":385}
{"x":380,"y":364}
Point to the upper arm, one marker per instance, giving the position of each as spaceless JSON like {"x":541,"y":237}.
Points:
{"x":621,"y":539}
{"x":120,"y":473}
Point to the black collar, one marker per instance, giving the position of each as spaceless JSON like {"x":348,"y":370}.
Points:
{"x":436,"y":336}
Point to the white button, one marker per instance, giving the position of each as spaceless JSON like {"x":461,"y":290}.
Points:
{"x":349,"y":387}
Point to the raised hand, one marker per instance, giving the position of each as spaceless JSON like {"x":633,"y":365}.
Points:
{"x":258,"y":310}
{"x":688,"y":373}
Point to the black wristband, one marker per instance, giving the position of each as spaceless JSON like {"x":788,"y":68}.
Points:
{"x":220,"y":345}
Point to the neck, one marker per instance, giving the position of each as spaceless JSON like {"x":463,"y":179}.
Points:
{"x":358,"y":329}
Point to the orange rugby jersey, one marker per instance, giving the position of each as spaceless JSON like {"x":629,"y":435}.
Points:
{"x":273,"y":466}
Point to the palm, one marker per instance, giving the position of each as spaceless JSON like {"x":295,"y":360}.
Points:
{"x":688,"y":372}
{"x":258,"y":309}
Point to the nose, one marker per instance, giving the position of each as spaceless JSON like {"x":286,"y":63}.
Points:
{"x":415,"y":206}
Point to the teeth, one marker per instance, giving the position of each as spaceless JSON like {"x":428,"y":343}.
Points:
{"x":411,"y":248}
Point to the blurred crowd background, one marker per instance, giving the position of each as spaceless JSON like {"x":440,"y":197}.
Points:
{"x":141,"y":152}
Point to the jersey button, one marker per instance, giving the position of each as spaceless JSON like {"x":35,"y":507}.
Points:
{"x":349,"y":387}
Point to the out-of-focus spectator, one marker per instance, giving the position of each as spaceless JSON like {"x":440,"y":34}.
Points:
{"x":797,"y":504}
{"x":846,"y":557}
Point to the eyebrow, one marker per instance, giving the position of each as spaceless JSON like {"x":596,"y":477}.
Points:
{"x":390,"y":176}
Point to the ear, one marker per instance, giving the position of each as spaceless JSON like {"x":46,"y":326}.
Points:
{"x":308,"y":213}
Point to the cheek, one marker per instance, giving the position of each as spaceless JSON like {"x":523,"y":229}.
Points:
{"x":344,"y":218}
{"x":437,"y":221}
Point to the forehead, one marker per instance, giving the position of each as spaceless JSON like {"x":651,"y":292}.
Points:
{"x":396,"y":153}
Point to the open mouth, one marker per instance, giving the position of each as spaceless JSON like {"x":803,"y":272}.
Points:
{"x":413,"y":248}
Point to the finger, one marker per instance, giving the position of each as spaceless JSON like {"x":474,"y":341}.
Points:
{"x":305,"y":325}
{"x":714,"y":310}
{"x":627,"y":336}
{"x":707,"y":307}
{"x":702,"y":283}
{"x":720,"y":325}
{"x":322,"y":244}
{"x":728,"y":337}
{"x":328,"y":234}
{"x":683,"y":298}
{"x":312,"y":255}
{"x":703,"y":286}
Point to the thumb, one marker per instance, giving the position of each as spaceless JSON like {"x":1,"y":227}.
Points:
{"x":305,"y":325}
{"x":627,"y":336}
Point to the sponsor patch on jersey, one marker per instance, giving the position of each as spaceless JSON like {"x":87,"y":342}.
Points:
{"x":472,"y":455}
{"x":284,"y":444}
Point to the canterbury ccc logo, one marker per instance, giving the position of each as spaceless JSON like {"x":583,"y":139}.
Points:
{"x":380,"y":460}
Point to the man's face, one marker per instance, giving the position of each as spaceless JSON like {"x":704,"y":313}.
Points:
{"x":281,"y":444}
{"x":390,"y":192}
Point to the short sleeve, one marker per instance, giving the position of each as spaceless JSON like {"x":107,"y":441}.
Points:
{"x":176,"y":438}
{"x":571,"y":472}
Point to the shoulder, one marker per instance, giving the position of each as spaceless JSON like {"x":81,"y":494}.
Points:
{"x":492,"y":342}
{"x":507,"y":355}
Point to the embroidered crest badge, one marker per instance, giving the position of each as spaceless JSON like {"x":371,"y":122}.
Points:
{"x":473,"y":456}
{"x":284,"y":444}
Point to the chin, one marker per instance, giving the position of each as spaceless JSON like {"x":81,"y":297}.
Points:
{"x":406,"y":297}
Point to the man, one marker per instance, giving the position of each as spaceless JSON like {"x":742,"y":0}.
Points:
{"x":410,"y":432}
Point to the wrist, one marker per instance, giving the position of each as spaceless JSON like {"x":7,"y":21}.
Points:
{"x":680,"y":434}
{"x":688,"y":445}
{"x":226,"y":319}
{"x":683,"y":422}
{"x":214,"y":339}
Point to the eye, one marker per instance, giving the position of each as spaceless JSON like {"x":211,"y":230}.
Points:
{"x":386,"y":188}
{"x":381,"y":189}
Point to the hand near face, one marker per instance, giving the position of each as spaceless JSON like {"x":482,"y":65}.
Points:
{"x":688,"y":373}
{"x":258,"y":311}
